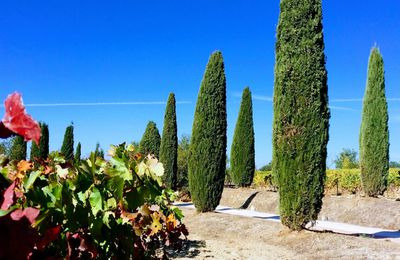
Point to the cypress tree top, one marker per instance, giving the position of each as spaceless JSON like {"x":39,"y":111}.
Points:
{"x":242,"y":152}
{"x":207,"y":160}
{"x":374,"y":132}
{"x":78,"y":152}
{"x":68,"y":144}
{"x":44,"y":141}
{"x":301,"y":114}
{"x":169,"y":144}
{"x":150,"y":143}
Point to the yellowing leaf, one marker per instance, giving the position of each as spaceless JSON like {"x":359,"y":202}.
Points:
{"x":155,"y":225}
{"x":63,"y":173}
{"x":24,"y":166}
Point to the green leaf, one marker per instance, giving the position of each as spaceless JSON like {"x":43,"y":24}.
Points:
{"x":111,"y":203}
{"x":118,"y":167}
{"x":116,"y":186}
{"x":31,"y":179}
{"x":96,"y":201}
{"x":5,"y":212}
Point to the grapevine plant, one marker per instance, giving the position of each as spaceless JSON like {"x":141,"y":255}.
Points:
{"x":88,"y":209}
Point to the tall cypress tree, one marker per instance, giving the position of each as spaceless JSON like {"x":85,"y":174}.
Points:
{"x":35,"y":153}
{"x":68,"y":144}
{"x":78,"y":152}
{"x":207,"y":160}
{"x":374,"y":132}
{"x":301,"y":113}
{"x":169,"y":144}
{"x":242,"y":152}
{"x":44,"y":141}
{"x":18,"y":148}
{"x":150,"y":143}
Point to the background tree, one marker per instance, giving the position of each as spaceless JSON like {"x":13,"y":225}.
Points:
{"x":150,"y":143}
{"x":5,"y":147}
{"x":242,"y":162}
{"x":41,"y":151}
{"x":78,"y":152}
{"x":374,"y":132}
{"x":394,"y":164}
{"x":301,"y":114}
{"x":183,"y":161}
{"x":347,"y":159}
{"x":18,"y":148}
{"x":208,"y":144}
{"x":68,"y":144}
{"x":267,"y":167}
{"x":99,"y":152}
{"x":169,"y":144}
{"x":44,"y":141}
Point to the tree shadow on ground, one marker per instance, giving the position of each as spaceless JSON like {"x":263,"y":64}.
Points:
{"x":190,"y":249}
{"x":246,"y":204}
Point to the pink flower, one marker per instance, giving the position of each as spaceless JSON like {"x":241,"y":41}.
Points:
{"x":18,"y":121}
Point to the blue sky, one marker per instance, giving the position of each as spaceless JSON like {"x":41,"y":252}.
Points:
{"x":138,"y":51}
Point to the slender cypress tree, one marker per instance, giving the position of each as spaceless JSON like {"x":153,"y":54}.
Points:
{"x":207,"y":161}
{"x":44,"y":141}
{"x":301,"y":113}
{"x":18,"y":148}
{"x":242,"y":152}
{"x":78,"y":152}
{"x":169,"y":144}
{"x":150,"y":143}
{"x":35,"y":153}
{"x":68,"y":144}
{"x":374,"y":133}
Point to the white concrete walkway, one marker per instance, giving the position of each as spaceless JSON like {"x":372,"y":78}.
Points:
{"x":320,"y":225}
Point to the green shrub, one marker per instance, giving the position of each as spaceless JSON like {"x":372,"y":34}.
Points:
{"x":207,"y":161}
{"x":169,"y":144}
{"x":301,"y":113}
{"x":150,"y":142}
{"x":67,"y":148}
{"x":374,"y":132}
{"x":242,"y":161}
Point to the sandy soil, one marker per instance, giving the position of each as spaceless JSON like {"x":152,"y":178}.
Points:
{"x":221,"y":236}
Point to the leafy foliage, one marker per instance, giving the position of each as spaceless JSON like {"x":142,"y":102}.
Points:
{"x":374,"y":132}
{"x":208,"y":144}
{"x":242,"y":162}
{"x":151,"y":140}
{"x":347,"y":159}
{"x":91,"y":209}
{"x":18,"y":148}
{"x":267,"y":167}
{"x":67,"y":148}
{"x":169,"y":144}
{"x":301,"y":113}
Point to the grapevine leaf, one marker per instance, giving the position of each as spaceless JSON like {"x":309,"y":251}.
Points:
{"x":95,"y":201}
{"x":31,"y":179}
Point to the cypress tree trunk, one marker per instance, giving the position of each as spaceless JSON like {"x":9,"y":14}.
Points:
{"x":301,"y":113}
{"x":242,"y":151}
{"x":68,"y":144}
{"x":44,"y":142}
{"x":78,"y":152}
{"x":18,"y":149}
{"x":150,"y":143}
{"x":207,"y":161}
{"x":374,"y":133}
{"x":169,"y":144}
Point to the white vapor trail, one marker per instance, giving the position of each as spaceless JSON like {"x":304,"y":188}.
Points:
{"x":262,"y":98}
{"x":342,"y":108}
{"x":103,"y":104}
{"x":342,"y":100}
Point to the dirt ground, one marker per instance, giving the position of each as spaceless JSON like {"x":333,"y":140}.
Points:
{"x":221,"y":236}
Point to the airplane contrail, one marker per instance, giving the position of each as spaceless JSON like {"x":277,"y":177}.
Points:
{"x":102,"y":103}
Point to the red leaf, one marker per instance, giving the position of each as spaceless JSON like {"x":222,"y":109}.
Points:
{"x":8,"y":197}
{"x":50,"y":235}
{"x":17,"y":120}
{"x":30,"y":213}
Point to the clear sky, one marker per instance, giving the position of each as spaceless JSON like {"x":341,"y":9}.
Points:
{"x":56,"y":52}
